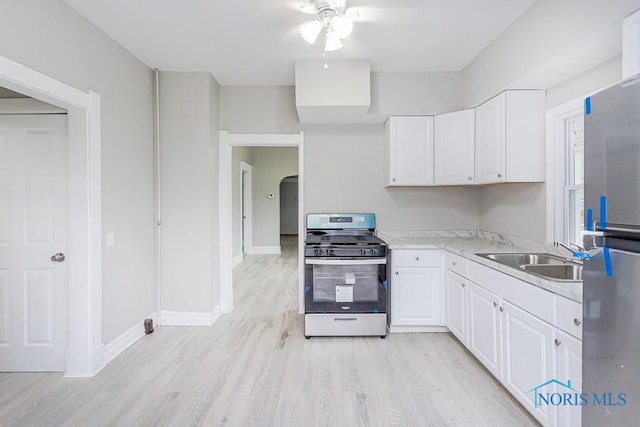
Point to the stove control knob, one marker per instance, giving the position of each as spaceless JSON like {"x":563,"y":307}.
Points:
{"x":329,"y":252}
{"x":363,"y":252}
{"x":317,"y":252}
{"x":372,"y":252}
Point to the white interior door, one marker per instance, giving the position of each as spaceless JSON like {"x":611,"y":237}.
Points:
{"x":33,"y":228}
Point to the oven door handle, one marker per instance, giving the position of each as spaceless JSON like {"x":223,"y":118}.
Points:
{"x":366,"y":261}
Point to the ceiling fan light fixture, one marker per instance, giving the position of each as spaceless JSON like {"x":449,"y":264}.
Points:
{"x":310,"y":31}
{"x":332,"y":41}
{"x":342,"y":26}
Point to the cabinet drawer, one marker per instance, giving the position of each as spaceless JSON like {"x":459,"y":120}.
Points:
{"x":456,"y":263}
{"x":415,"y":258}
{"x":570,"y":316}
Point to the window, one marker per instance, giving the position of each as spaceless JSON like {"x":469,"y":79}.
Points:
{"x":573,"y":191}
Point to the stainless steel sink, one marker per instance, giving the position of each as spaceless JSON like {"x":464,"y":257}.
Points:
{"x":517,"y":259}
{"x":565,"y":272}
{"x":541,"y":264}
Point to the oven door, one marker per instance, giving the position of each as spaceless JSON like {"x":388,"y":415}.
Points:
{"x":345,"y":285}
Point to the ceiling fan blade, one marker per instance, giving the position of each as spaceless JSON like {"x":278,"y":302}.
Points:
{"x":302,"y":6}
{"x":382,"y":15}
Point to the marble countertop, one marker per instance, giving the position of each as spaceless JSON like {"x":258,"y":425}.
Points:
{"x":468,"y":243}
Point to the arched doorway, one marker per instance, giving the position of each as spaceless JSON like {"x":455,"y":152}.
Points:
{"x":289,"y":206}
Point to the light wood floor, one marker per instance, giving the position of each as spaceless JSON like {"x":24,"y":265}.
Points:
{"x":255,"y":368}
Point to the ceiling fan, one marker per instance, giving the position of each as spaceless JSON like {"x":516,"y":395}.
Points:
{"x":331,"y":20}
{"x":335,"y":22}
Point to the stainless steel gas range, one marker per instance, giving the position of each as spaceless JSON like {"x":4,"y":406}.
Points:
{"x":345,"y":291}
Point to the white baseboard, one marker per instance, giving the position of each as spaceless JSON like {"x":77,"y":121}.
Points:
{"x":126,"y":340}
{"x":266,"y":250}
{"x":406,"y":329}
{"x":188,"y":318}
{"x":237,"y":259}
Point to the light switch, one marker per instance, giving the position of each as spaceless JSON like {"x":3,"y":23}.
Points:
{"x":111,"y":239}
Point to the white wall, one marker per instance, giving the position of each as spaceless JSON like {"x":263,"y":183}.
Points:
{"x":51,"y":38}
{"x":270,"y":166}
{"x":188,"y":108}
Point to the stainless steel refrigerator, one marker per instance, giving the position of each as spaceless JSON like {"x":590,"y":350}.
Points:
{"x":611,"y":301}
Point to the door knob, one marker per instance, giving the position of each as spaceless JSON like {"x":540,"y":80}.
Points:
{"x":59,"y":257}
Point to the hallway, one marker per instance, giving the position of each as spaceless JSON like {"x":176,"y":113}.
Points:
{"x":255,"y":368}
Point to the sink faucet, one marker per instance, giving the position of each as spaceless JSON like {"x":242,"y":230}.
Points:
{"x":578,"y":248}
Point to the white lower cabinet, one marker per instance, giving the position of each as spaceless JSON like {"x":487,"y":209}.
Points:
{"x":527,"y":344}
{"x":415,"y":296}
{"x":525,"y":336}
{"x":456,"y":306}
{"x":484,"y":327}
{"x":416,"y":290}
{"x":568,"y":368}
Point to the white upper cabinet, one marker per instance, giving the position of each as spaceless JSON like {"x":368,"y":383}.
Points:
{"x":409,"y":150}
{"x":510,"y":138}
{"x":454,"y":148}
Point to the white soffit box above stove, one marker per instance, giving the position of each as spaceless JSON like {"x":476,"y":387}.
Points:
{"x":339,"y":93}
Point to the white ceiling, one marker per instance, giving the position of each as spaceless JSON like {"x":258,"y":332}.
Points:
{"x":255,"y":42}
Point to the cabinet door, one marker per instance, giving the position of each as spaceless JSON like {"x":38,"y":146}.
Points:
{"x":456,"y":293}
{"x":569,"y":368}
{"x":484,"y":327}
{"x":415,"y":297}
{"x":410,"y":150}
{"x":528,"y":359}
{"x":491,"y":140}
{"x":454,"y":148}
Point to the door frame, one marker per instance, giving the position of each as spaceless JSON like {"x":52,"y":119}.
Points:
{"x":85,"y":351}
{"x":227,"y":141}
{"x":246,"y":240}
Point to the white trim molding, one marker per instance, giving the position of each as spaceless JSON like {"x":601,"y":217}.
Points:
{"x":266,"y":250}
{"x":237,"y":259}
{"x":227,"y":141}
{"x":116,"y":347}
{"x":85,"y":351}
{"x":246,"y":195}
{"x":188,"y":318}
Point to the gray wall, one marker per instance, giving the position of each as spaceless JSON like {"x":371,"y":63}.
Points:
{"x":571,"y":48}
{"x":270,"y":166}
{"x":344,"y":164}
{"x":51,"y":38}
{"x":238,"y":154}
{"x":188,"y":135}
{"x":289,"y":206}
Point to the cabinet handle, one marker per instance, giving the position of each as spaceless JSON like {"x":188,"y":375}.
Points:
{"x":557,"y":341}
{"x":417,"y":258}
{"x":453,"y":263}
{"x":393,"y":180}
{"x":470,"y":178}
{"x":463,"y":285}
{"x":495,"y":304}
{"x":578,"y":322}
{"x":499,"y":175}
{"x":501,"y":308}
{"x":396,"y":273}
